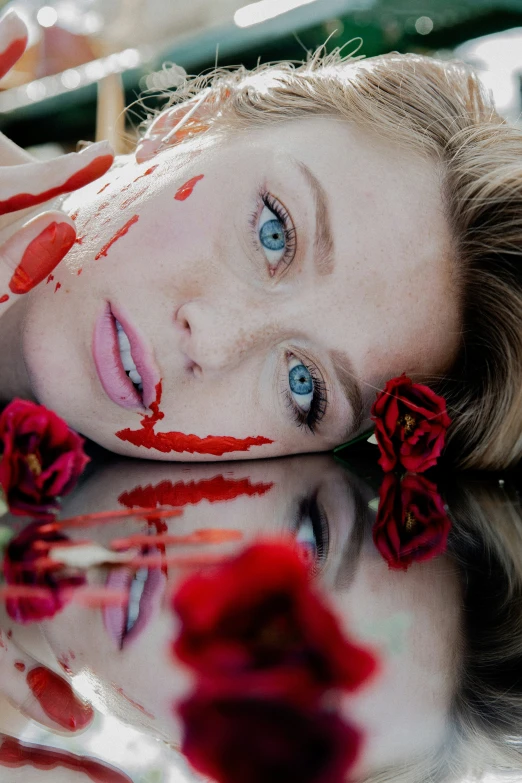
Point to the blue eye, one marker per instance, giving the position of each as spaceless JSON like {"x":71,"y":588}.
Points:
{"x":272,"y":235}
{"x":301,"y":384}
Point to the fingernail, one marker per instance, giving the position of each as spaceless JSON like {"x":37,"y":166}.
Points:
{"x":57,"y":699}
{"x":41,"y":256}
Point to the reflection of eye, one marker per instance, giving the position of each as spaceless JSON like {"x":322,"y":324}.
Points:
{"x":276,"y":233}
{"x":311,"y":532}
{"x":306,"y":392}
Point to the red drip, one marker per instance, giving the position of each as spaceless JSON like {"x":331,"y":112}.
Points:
{"x":20,"y":666}
{"x":146,"y":173}
{"x":92,"y":171}
{"x":120,"y":233}
{"x":15,"y":754}
{"x":186,"y":190}
{"x":4,"y":298}
{"x":166,"y":442}
{"x":103,"y":188}
{"x":134,"y":703}
{"x":50,"y":279}
{"x":57,"y":286}
{"x":214,"y":490}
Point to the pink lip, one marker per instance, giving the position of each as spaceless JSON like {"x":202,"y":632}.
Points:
{"x":115,"y":381}
{"x":115,"y":617}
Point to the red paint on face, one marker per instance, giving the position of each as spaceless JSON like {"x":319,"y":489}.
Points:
{"x":12,"y":54}
{"x":131,"y":199}
{"x":20,"y":666}
{"x":185,"y":190}
{"x":79,"y":271}
{"x":118,"y":235}
{"x":42,"y":255}
{"x":4,"y":298}
{"x":146,"y":173}
{"x":64,"y":663}
{"x":57,"y":699}
{"x":214,"y":490}
{"x":134,"y":703}
{"x":75,"y":214}
{"x":165,"y":442}
{"x":57,"y":286}
{"x":105,"y":186}
{"x":49,"y":279}
{"x":79,"y":240}
{"x":15,"y":754}
{"x":92,"y":171}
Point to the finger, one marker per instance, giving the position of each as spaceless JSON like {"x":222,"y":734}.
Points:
{"x":13,"y":40}
{"x":39,"y":693}
{"x":29,"y":184}
{"x":31,"y":254}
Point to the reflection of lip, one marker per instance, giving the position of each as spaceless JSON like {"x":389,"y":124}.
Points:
{"x":115,"y":617}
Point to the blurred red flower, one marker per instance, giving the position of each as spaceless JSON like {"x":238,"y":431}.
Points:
{"x":42,"y":457}
{"x":412,"y":523}
{"x":410,"y":425}
{"x":21,"y":569}
{"x":245,"y":740}
{"x":256,"y":621}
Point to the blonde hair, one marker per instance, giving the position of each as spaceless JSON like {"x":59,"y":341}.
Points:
{"x":440,"y":110}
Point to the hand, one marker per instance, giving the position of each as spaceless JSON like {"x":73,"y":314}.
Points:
{"x":39,"y":693}
{"x":31,"y":253}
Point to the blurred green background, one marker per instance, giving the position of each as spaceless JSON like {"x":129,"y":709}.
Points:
{"x":57,"y":102}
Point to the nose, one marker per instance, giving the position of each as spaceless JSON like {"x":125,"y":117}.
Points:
{"x":215,"y":337}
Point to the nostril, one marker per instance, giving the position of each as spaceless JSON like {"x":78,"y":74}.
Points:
{"x":181,"y":320}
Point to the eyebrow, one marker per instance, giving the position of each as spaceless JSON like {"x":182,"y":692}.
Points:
{"x":349,"y":384}
{"x":323,"y":241}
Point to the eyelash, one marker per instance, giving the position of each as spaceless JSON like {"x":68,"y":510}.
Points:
{"x":284,"y":218}
{"x":311,"y":418}
{"x":310,"y":508}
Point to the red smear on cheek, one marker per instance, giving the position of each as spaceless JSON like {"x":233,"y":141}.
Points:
{"x":57,"y":286}
{"x":14,"y":754}
{"x":51,"y":277}
{"x":79,"y":271}
{"x":165,"y":442}
{"x":131,"y":199}
{"x":65,"y":665}
{"x":92,"y":171}
{"x":79,"y":240}
{"x":146,"y":173}
{"x":105,"y":186}
{"x":4,"y":298}
{"x":74,"y":214}
{"x":11,"y":55}
{"x":20,"y":666}
{"x":57,"y":699}
{"x":185,"y":190}
{"x":118,"y":235}
{"x":134,"y":703}
{"x":41,"y":256}
{"x":214,"y":490}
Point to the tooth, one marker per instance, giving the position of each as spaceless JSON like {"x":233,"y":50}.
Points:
{"x":135,"y":376}
{"x":123,"y":341}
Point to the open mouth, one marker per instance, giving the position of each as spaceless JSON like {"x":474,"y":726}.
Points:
{"x":123,"y":361}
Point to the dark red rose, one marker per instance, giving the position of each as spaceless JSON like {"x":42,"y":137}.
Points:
{"x":410,"y":425}
{"x":20,"y":568}
{"x":242,"y":740}
{"x":411,"y":524}
{"x":42,"y":458}
{"x":256,"y":621}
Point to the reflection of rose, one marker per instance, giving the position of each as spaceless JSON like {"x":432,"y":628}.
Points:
{"x":410,"y":425}
{"x":42,"y":458}
{"x":255,"y":621}
{"x":20,"y":569}
{"x":242,"y":740}
{"x":411,"y":523}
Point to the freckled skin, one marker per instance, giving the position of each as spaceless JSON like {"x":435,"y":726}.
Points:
{"x":220,"y":317}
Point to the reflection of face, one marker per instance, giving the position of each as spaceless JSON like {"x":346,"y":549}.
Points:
{"x":410,"y":619}
{"x":257,"y":322}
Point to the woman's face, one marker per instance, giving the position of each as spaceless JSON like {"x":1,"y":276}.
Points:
{"x":411,"y":620}
{"x":270,"y":279}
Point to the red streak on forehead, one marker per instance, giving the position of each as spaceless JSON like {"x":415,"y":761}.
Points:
{"x":214,"y":490}
{"x":165,"y":442}
{"x":185,"y":190}
{"x":118,"y":235}
{"x":12,"y":54}
{"x":92,"y":171}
